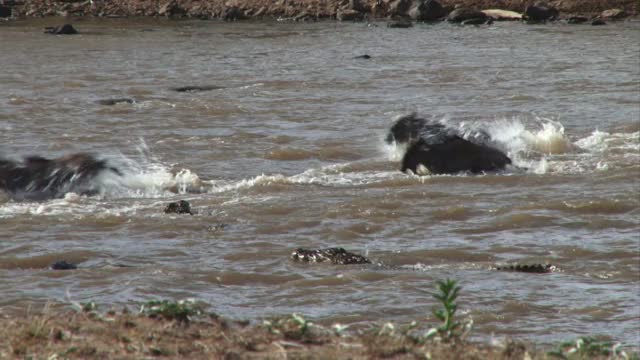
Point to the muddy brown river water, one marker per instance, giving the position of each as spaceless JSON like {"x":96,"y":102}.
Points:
{"x":288,"y":152}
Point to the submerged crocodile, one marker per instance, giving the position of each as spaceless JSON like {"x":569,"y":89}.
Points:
{"x":340,"y":256}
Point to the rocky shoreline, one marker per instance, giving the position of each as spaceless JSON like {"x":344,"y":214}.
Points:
{"x":311,"y":10}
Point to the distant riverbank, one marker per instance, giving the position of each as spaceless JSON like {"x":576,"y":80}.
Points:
{"x":300,"y":10}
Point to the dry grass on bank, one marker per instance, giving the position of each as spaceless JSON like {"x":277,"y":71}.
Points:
{"x":173,"y":331}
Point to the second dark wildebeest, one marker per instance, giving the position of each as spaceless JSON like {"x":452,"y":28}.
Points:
{"x":442,"y":149}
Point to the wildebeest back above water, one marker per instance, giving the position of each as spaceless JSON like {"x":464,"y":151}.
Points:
{"x":39,"y":178}
{"x":442,"y":149}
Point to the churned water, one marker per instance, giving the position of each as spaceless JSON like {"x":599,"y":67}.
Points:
{"x":288,"y":152}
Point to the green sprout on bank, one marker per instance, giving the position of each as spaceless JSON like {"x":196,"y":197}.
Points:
{"x":294,"y":326}
{"x":450,"y":328}
{"x":181,"y":311}
{"x":586,"y":347}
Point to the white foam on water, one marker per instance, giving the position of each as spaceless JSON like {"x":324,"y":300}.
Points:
{"x":539,"y":147}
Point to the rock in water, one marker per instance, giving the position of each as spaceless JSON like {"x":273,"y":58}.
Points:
{"x":111,"y":102}
{"x":400,"y":24}
{"x":196,"y":88}
{"x":461,"y":14}
{"x":66,"y":29}
{"x":5,"y":11}
{"x":539,"y":13}
{"x":427,"y":10}
{"x":577,"y":20}
{"x":178,"y":207}
{"x":63,"y":265}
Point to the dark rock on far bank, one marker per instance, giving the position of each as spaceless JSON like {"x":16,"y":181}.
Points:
{"x":63,"y":265}
{"x":110,"y":102}
{"x":577,"y":20}
{"x":196,"y":88}
{"x":598,"y":22}
{"x":171,"y":9}
{"x":337,"y":256}
{"x":427,"y":10}
{"x":462,"y":14}
{"x":5,"y":11}
{"x":233,"y":14}
{"x":349,"y":15}
{"x":539,"y":13}
{"x":66,"y":29}
{"x":178,"y":207}
{"x":400,"y":24}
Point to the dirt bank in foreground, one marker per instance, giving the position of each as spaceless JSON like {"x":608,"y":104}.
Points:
{"x":292,"y":9}
{"x":122,"y":335}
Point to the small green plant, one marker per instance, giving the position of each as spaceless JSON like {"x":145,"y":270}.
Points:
{"x":181,"y":311}
{"x":293,"y":327}
{"x":586,"y":347}
{"x":450,"y":328}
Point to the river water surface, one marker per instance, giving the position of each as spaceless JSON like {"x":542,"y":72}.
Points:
{"x":289,"y":153}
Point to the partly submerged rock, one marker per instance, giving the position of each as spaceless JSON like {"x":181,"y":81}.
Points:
{"x":540,"y":13}
{"x":577,"y":20}
{"x":333,"y":255}
{"x":461,"y":14}
{"x":478,"y":21}
{"x":427,"y":10}
{"x":63,"y":265}
{"x":196,"y":88}
{"x":66,"y":29}
{"x":363,"y":57}
{"x":110,"y":102}
{"x":178,"y":207}
{"x":400,"y":24}
{"x":5,"y":11}
{"x":233,"y":14}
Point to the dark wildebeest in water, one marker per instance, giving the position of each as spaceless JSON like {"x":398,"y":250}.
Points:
{"x":38,"y":178}
{"x":444,"y":150}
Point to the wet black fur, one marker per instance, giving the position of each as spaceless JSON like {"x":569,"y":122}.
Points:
{"x":39,"y":178}
{"x":443,"y":150}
